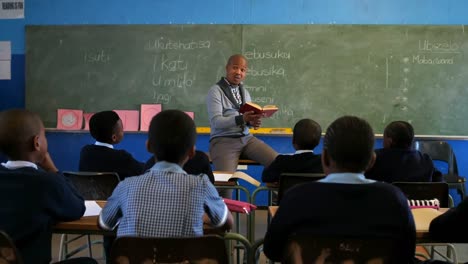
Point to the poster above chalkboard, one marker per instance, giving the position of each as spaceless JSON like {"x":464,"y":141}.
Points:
{"x":382,"y":73}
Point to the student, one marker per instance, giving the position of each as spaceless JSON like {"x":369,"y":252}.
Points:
{"x":398,"y":161}
{"x":198,"y":164}
{"x":306,"y":136}
{"x":166,"y":201}
{"x":34,"y":195}
{"x":451,"y":226}
{"x":345,"y":203}
{"x":230,"y":137}
{"x":106,"y":127}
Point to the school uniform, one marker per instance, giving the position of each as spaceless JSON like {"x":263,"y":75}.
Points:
{"x":403,"y":165}
{"x":343,"y":205}
{"x":198,"y":164}
{"x":32,"y":202}
{"x":303,"y":161}
{"x":163,"y":202}
{"x":102,"y":157}
{"x":451,"y":225}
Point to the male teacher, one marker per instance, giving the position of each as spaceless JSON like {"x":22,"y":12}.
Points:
{"x":230,"y":137}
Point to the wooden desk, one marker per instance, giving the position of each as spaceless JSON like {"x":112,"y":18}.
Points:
{"x":422,"y":235}
{"x":84,"y":225}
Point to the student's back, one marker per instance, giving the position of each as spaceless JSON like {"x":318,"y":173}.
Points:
{"x":198,"y":164}
{"x":102,"y":158}
{"x":345,"y":203}
{"x":399,"y":161}
{"x":306,"y":136}
{"x":166,"y":201}
{"x":106,"y":128}
{"x":376,"y":210}
{"x":34,"y":195}
{"x":402,"y":165}
{"x":36,"y":201}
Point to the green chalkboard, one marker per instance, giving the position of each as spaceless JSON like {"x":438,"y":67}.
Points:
{"x":379,"y":72}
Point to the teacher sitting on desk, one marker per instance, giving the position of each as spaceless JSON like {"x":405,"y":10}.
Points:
{"x":230,"y":137}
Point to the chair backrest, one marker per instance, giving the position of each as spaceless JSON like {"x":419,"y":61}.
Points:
{"x":440,"y":151}
{"x":288,"y":180}
{"x":8,"y":252}
{"x":205,"y":249}
{"x":425,"y":191}
{"x":304,"y":248}
{"x":93,"y":185}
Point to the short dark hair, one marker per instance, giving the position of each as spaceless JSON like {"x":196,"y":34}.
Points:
{"x":233,"y":57}
{"x":349,"y":142}
{"x":401,"y":133}
{"x":102,"y":125}
{"x":18,"y":127}
{"x":306,"y":134}
{"x":171,"y":135}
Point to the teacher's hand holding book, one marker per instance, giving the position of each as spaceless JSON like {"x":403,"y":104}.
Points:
{"x":252,"y":119}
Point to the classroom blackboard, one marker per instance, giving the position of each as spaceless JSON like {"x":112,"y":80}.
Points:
{"x":417,"y":73}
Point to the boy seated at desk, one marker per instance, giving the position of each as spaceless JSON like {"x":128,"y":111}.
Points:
{"x":306,"y":136}
{"x":34,"y":194}
{"x":345,"y":203}
{"x":397,"y":161}
{"x":106,"y":128}
{"x":166,"y":201}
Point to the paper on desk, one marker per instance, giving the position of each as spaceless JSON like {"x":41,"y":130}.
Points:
{"x":92,"y":208}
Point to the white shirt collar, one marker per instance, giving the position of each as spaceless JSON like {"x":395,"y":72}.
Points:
{"x":303,"y":151}
{"x":104,"y":144}
{"x":347,"y":177}
{"x":16,"y":164}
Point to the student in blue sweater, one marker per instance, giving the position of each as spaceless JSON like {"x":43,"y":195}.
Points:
{"x":398,"y":161}
{"x":34,"y":194}
{"x":106,"y":128}
{"x":306,"y":136}
{"x":345,"y":203}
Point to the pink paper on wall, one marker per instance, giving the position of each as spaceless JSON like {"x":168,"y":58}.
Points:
{"x":87,"y":117}
{"x":130,"y":119}
{"x":147,"y":113}
{"x":191,"y":114}
{"x":69,"y":119}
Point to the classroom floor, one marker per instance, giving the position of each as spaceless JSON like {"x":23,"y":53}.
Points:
{"x":260,"y":229}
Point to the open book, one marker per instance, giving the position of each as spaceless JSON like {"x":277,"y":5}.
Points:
{"x":221,"y":176}
{"x":266,"y":111}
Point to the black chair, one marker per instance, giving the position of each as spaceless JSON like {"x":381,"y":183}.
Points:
{"x":8,"y":252}
{"x":426,"y":191}
{"x":91,"y":186}
{"x":442,"y":151}
{"x":304,"y":248}
{"x":289,"y":180}
{"x":204,"y":249}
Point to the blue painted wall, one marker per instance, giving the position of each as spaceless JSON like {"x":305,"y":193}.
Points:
{"x":65,"y":146}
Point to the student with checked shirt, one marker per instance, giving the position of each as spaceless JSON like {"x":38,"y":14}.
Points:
{"x":166,"y":201}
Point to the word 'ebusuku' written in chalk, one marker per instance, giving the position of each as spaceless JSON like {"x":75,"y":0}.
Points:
{"x":259,"y":55}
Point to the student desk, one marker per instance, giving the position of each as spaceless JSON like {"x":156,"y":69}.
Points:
{"x":422,"y":235}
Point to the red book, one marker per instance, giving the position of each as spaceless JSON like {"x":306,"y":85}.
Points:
{"x":266,"y":111}
{"x":239,"y":206}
